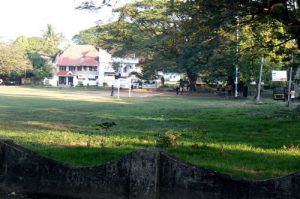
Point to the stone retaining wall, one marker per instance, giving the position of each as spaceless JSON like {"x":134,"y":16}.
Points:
{"x":146,"y":174}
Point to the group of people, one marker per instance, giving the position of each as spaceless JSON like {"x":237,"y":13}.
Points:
{"x":180,"y":87}
{"x":230,"y":88}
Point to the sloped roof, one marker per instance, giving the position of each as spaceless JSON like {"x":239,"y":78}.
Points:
{"x":79,"y":55}
{"x":64,"y":73}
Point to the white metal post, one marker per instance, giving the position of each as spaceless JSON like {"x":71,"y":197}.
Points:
{"x":290,"y":80}
{"x":236,"y":81}
{"x":119,"y":84}
{"x":129,"y":92}
{"x":237,"y":52}
{"x":259,"y":80}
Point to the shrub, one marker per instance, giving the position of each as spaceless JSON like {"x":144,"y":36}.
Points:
{"x":80,"y":84}
{"x":167,"y":139}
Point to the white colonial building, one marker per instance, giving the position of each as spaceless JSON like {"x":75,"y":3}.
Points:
{"x":88,"y":66}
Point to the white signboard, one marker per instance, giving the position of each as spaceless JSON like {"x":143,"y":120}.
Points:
{"x":279,"y":75}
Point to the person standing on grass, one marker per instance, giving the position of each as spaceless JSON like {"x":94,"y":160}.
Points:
{"x":245,"y":91}
{"x":229,"y":88}
{"x":298,"y":92}
{"x":181,"y":85}
{"x":177,"y":90}
{"x":112,"y":90}
{"x":293,"y":95}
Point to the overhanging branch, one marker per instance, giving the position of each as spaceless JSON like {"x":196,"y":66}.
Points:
{"x":268,"y":46}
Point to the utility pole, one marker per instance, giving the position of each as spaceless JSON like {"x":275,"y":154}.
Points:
{"x":290,"y":80}
{"x":237,"y":54}
{"x":259,"y":80}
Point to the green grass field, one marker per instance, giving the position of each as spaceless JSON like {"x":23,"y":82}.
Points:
{"x":237,"y":137}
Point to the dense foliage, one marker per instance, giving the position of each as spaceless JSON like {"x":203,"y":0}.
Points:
{"x":40,"y":51}
{"x":13,"y":60}
{"x":200,"y":36}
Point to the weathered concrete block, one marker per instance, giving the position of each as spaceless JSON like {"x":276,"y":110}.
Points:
{"x":185,"y":181}
{"x":146,"y":174}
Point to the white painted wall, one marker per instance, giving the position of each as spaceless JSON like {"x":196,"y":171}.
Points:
{"x":106,"y":61}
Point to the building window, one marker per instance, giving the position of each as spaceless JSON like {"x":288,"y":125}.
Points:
{"x":95,"y":68}
{"x":90,"y":68}
{"x":72,"y":68}
{"x":62,"y":68}
{"x":85,"y":68}
{"x":79,"y":68}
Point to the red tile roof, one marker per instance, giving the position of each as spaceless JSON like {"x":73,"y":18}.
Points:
{"x":79,"y":55}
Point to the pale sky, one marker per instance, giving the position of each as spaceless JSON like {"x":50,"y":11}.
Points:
{"x":30,"y":17}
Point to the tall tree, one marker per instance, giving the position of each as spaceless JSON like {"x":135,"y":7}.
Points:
{"x":47,"y":45}
{"x":154,"y":30}
{"x":220,"y":12}
{"x":52,"y":40}
{"x":13,"y":59}
{"x":199,"y":36}
{"x":38,"y":53}
{"x":32,"y":44}
{"x":40,"y":50}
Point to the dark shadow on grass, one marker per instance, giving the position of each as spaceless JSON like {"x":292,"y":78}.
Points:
{"x":80,"y":155}
{"x":221,"y":125}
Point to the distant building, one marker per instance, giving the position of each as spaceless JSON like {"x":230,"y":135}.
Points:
{"x":88,"y":66}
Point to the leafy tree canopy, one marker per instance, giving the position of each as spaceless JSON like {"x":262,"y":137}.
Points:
{"x":40,"y":50}
{"x":47,"y":45}
{"x":200,"y":36}
{"x":13,"y":59}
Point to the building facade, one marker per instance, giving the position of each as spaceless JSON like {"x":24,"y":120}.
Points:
{"x":85,"y":65}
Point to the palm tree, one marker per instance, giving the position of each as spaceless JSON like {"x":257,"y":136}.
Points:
{"x":52,"y":39}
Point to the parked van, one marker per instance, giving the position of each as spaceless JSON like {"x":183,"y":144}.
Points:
{"x":280,"y":93}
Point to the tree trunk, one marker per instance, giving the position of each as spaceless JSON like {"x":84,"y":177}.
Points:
{"x":162,"y":81}
{"x":256,"y":92}
{"x":192,"y":80}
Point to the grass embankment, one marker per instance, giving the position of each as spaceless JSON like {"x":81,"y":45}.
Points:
{"x":237,"y":137}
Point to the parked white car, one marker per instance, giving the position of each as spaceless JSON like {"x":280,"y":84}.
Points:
{"x":149,"y":84}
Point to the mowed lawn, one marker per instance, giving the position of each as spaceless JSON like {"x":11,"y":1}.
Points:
{"x":236,"y":137}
